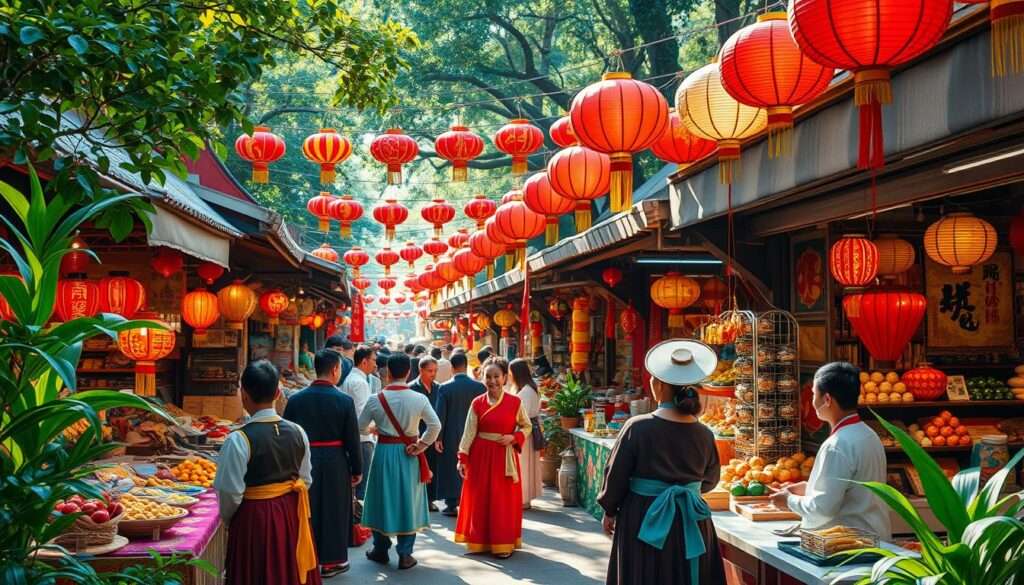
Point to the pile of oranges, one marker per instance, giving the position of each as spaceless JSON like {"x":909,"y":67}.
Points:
{"x":944,"y":430}
{"x":196,"y":472}
{"x":786,"y":470}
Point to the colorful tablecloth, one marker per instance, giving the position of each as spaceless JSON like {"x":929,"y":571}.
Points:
{"x":592,"y":454}
{"x":190,"y":536}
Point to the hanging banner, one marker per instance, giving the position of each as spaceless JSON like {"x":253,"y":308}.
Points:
{"x":970,"y":313}
{"x":356,"y":330}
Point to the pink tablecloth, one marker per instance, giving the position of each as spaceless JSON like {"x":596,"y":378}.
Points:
{"x":190,"y":536}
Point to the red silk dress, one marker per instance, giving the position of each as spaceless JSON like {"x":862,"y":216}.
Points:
{"x":491,"y":510}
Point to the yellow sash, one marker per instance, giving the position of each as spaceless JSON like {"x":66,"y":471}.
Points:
{"x":510,"y":455}
{"x":305,"y":553}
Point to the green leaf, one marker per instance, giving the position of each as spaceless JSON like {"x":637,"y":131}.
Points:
{"x":966,"y":484}
{"x":78,"y":43}
{"x":29,"y":35}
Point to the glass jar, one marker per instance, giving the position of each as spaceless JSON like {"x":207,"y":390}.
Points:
{"x":991,"y":455}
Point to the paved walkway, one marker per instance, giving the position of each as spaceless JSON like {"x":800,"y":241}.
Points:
{"x":561,"y":546}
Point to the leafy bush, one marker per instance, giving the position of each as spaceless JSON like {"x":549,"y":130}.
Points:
{"x":557,"y":438}
{"x":570,"y":398}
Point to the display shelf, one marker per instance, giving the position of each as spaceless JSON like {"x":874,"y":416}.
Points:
{"x":957,"y":449}
{"x":944,"y":404}
{"x":114,"y":371}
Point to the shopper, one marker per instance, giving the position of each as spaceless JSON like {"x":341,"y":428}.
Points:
{"x":339,"y":344}
{"x":263,"y":474}
{"x":529,"y":459}
{"x":453,"y":401}
{"x":661,"y":528}
{"x":482,"y":356}
{"x":444,"y":365}
{"x":852,"y":454}
{"x":491,"y":519}
{"x":357,"y":387}
{"x":396,"y":497}
{"x":426,"y":385}
{"x":329,"y":419}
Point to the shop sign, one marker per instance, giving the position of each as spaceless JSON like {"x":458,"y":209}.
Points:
{"x":356,"y":332}
{"x":972,"y":312}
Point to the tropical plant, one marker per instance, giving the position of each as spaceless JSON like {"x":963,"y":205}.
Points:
{"x":38,"y":398}
{"x":556,"y":439}
{"x":984,"y":542}
{"x":570,"y":398}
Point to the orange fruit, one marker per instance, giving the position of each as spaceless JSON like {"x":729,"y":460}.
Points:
{"x":965,"y":441}
{"x":947,"y":431}
{"x":961,"y":431}
{"x":954,"y":422}
{"x":946,"y":415}
{"x":784,"y":475}
{"x":939,"y":441}
{"x":939,"y":422}
{"x":931,"y":431}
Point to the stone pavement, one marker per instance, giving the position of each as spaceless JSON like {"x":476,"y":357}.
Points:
{"x":561,"y":546}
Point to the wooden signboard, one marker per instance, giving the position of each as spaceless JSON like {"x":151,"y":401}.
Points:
{"x":970,"y":313}
{"x":956,"y":388}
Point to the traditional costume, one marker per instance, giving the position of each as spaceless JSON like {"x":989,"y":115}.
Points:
{"x":491,"y":518}
{"x":357,"y":387}
{"x":396,"y":495}
{"x":431,"y":454}
{"x":329,"y":419}
{"x":529,"y":459}
{"x":263,"y":474}
{"x":453,"y":402}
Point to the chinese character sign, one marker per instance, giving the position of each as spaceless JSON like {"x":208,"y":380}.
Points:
{"x":972,"y":311}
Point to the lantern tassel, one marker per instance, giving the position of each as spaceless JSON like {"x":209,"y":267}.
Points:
{"x":780,"y":131}
{"x":327,"y":174}
{"x":325,"y":224}
{"x":728,"y":161}
{"x":439,"y":230}
{"x":583,"y":217}
{"x":873,"y":88}
{"x":519,"y":166}
{"x":394,"y":174}
{"x":676,"y":320}
{"x":510,"y":261}
{"x":389,"y":233}
{"x":490,"y":271}
{"x":551,"y":232}
{"x":621,"y":196}
{"x":145,"y":378}
{"x":260,"y":173}
{"x":460,"y":172}
{"x":346,"y":230}
{"x":609,"y":322}
{"x":1007,"y":37}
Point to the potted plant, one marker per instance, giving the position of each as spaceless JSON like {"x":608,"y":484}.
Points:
{"x":984,"y":542}
{"x":569,"y":400}
{"x":556,"y":440}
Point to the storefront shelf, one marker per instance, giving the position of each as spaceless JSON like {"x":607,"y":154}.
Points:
{"x":114,"y":371}
{"x":947,"y":404}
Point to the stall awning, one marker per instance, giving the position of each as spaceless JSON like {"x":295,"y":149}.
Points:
{"x":174,"y":231}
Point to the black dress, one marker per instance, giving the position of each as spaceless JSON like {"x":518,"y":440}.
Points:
{"x":651,"y":447}
{"x":431,"y":453}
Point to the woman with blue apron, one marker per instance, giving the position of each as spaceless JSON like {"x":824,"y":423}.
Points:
{"x":662,"y":462}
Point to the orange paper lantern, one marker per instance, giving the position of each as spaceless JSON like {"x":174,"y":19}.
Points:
{"x":327,"y":148}
{"x":541,"y":198}
{"x":582,"y":175}
{"x":199,"y":310}
{"x":274,"y":302}
{"x":960,"y":240}
{"x":680,"y":146}
{"x":326,"y":253}
{"x":146,"y":345}
{"x":237,"y":303}
{"x":675,"y":292}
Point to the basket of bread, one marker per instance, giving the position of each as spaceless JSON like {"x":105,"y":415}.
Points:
{"x":145,"y":517}
{"x":96,"y":526}
{"x":829,"y":541}
{"x":165,"y":496}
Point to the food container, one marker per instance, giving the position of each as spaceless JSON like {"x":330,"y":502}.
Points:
{"x":150,"y":527}
{"x":991,"y":455}
{"x":829,"y":541}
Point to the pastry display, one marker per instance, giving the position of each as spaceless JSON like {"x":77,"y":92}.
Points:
{"x":744,"y":393}
{"x":745,"y":414}
{"x":786,"y":355}
{"x":788,"y":383}
{"x":198,"y":472}
{"x":879,"y":388}
{"x":765,"y":327}
{"x":765,"y":355}
{"x":744,"y":347}
{"x":789,"y":437}
{"x":765,"y":384}
{"x":767,"y":439}
{"x":785,"y":470}
{"x":744,"y":366}
{"x":765,"y":410}
{"x":721,"y":419}
{"x":789,"y":411}
{"x":136,"y":508}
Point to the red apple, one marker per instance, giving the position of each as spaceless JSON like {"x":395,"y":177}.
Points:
{"x":89,"y":507}
{"x":115,"y":509}
{"x":100,"y":516}
{"x":70,"y":508}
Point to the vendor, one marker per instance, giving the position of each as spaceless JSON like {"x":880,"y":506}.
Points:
{"x":852,"y":453}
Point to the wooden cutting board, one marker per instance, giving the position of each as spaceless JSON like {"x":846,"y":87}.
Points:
{"x":754,"y":515}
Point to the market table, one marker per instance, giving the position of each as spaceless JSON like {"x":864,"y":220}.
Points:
{"x":591,"y":455}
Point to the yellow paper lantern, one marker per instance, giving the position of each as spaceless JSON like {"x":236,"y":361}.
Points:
{"x":675,"y":292}
{"x":237,"y":302}
{"x":960,"y":240}
{"x":146,"y":345}
{"x":895,"y":255}
{"x":708,"y":111}
{"x":482,"y":322}
{"x":505,"y":318}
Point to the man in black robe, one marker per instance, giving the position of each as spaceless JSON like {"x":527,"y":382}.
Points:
{"x":453,"y":402}
{"x":329,"y":419}
{"x":425,"y":385}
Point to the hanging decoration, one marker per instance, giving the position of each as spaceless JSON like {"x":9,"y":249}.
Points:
{"x":387,"y":258}
{"x":496,"y":235}
{"x":611,"y":276}
{"x":237,"y":303}
{"x":345,"y":210}
{"x":1007,"y":18}
{"x":579,"y":345}
{"x":468,"y":263}
{"x":390,"y":213}
{"x":868,"y":39}
{"x":895,"y":255}
{"x":714,"y":292}
{"x":519,"y":223}
{"x":763,"y":67}
{"x":209,"y":272}
{"x":317,"y":321}
{"x":167,"y":262}
{"x":558,"y":308}
{"x":853,"y":260}
{"x":675,"y":292}
{"x":459,"y":146}
{"x":629,"y":320}
{"x":536,"y":335}
{"x":78,"y":259}
{"x":320,"y":207}
{"x":435,"y":247}
{"x":456,"y":240}
{"x":618,"y":116}
{"x":483,"y":246}
{"x":327,"y":148}
{"x":561,"y":133}
{"x":361,"y":283}
{"x":386,"y":284}
{"x":960,"y":240}
{"x":710,"y":112}
{"x":76,"y":298}
{"x":541,"y":198}
{"x":519,"y":139}
{"x":273,"y":302}
{"x":412,"y":283}
{"x":582,"y":175}
{"x":356,"y":258}
{"x":326,"y":253}
{"x":394,"y":149}
{"x":506,"y":319}
{"x":399,"y":298}
{"x":680,"y":146}
{"x":438,"y":212}
{"x":261,"y":148}
{"x":368,"y":299}
{"x":199,"y":309}
{"x":122,"y":295}
{"x":480,"y":209}
{"x":411,"y":253}
{"x":885,"y":320}
{"x":446,"y":270}
{"x":146,"y":345}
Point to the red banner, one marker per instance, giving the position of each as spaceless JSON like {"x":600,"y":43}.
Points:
{"x":356,"y":331}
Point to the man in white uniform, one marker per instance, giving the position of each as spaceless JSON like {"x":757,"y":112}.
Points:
{"x":357,"y":387}
{"x":852,"y":453}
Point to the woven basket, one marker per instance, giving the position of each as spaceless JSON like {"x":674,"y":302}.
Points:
{"x":150,"y":527}
{"x":84,"y":532}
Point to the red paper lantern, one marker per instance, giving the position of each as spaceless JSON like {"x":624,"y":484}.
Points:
{"x":411,"y":253}
{"x":368,"y":299}
{"x":146,"y":345}
{"x":435,"y":247}
{"x":447,"y":271}
{"x":394,"y":149}
{"x":122,"y":295}
{"x":199,"y":309}
{"x":629,"y":320}
{"x":390,"y":213}
{"x":426,"y":278}
{"x":356,"y":258}
{"x":456,"y":240}
{"x":209,"y":272}
{"x":167,"y":261}
{"x":885,"y":320}
{"x":399,"y":298}
{"x":346,"y":210}
{"x":261,"y":149}
{"x":611,"y":276}
{"x":925,"y":382}
{"x":317,"y":320}
{"x":387,"y":258}
{"x":582,"y":175}
{"x":327,"y":148}
{"x":412,"y":282}
{"x":320,"y":206}
{"x":519,"y":139}
{"x":467,"y":262}
{"x":714,"y":292}
{"x":541,"y":198}
{"x":361,"y":283}
{"x":761,"y":66}
{"x":486,"y":248}
{"x":519,"y":223}
{"x":459,"y":146}
{"x":561,"y":133}
{"x":78,"y":259}
{"x":480,"y":209}
{"x":618,"y":116}
{"x":853,"y":261}
{"x":76,"y":298}
{"x":387,"y":283}
{"x":438,"y":212}
{"x":274,"y":302}
{"x":869,"y":38}
{"x":326,"y":253}
{"x":680,"y":146}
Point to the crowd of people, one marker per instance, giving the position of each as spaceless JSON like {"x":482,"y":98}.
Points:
{"x":382,"y":436}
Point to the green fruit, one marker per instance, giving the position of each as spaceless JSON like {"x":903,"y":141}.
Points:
{"x":755,"y":488}
{"x":738,"y":490}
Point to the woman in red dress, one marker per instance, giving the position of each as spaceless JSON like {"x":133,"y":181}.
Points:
{"x":491,"y":513}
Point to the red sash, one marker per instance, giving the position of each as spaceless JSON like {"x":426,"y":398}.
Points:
{"x":425,"y":473}
{"x":326,"y":443}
